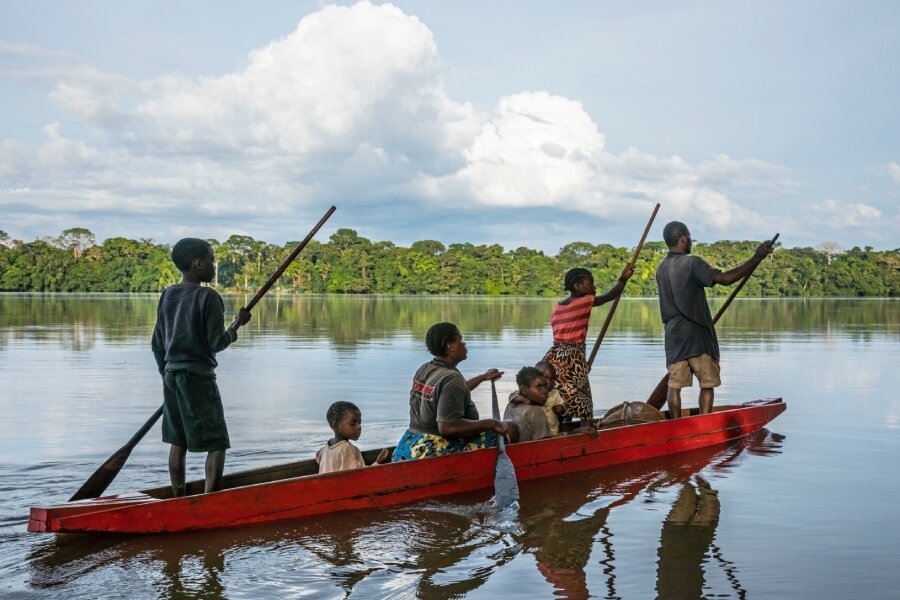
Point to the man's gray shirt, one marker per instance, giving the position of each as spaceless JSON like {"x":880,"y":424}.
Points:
{"x":682,"y":280}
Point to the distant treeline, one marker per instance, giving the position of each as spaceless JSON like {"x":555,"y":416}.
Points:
{"x":350,"y":264}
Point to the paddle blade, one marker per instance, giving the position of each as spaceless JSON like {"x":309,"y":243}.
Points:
{"x":506,"y":489}
{"x":103,"y":476}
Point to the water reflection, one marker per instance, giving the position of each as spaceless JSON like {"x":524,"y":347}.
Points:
{"x":191,"y":575}
{"x":77,"y":321}
{"x":446,"y":548}
{"x":562,"y":532}
{"x":687,"y":534}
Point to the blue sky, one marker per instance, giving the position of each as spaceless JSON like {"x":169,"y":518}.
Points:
{"x":519,"y":123}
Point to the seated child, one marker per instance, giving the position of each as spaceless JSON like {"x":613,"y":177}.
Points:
{"x":339,"y":454}
{"x":526,"y":408}
{"x":553,"y":407}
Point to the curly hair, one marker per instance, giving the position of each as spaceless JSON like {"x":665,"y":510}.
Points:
{"x":526,"y":375}
{"x":673,"y":232}
{"x":545,"y":365}
{"x":439,"y":336}
{"x":187,"y":249}
{"x":337,"y":410}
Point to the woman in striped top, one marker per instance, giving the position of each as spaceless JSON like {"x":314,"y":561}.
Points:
{"x":569,"y":322}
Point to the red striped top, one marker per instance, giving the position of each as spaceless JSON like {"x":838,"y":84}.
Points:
{"x":570,"y":321}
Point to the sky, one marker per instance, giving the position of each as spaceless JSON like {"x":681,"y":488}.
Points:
{"x":519,"y":123}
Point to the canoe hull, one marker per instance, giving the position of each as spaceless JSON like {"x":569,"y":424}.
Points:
{"x":403,"y":482}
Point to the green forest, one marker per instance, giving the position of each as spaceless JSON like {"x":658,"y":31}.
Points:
{"x":350,"y":264}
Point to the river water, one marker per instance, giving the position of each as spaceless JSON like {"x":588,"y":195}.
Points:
{"x":806,"y":508}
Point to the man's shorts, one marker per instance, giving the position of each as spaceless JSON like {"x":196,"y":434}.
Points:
{"x":704,"y":367}
{"x":193,"y":416}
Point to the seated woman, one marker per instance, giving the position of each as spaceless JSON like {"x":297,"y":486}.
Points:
{"x":442,"y":417}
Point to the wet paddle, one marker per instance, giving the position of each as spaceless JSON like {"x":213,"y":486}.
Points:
{"x":103,"y":476}
{"x":506,"y":489}
{"x":105,"y":473}
{"x":658,"y":395}
{"x":612,"y":309}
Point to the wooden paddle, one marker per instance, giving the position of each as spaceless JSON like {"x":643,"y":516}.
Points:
{"x":105,"y":473}
{"x":506,"y":489}
{"x":612,"y":309}
{"x":658,"y":395}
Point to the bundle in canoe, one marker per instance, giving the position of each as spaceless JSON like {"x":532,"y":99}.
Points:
{"x":295,"y":490}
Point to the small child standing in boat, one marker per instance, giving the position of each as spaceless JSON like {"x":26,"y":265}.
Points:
{"x":526,"y":408}
{"x":190,"y":330}
{"x":338,"y":454}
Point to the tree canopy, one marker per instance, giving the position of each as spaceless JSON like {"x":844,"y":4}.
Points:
{"x":351,"y":264}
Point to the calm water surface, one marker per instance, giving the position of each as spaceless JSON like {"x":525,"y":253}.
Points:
{"x":803,"y":509}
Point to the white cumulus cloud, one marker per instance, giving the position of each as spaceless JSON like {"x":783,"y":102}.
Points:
{"x":893,"y":171}
{"x":832,"y":213}
{"x":349,"y":107}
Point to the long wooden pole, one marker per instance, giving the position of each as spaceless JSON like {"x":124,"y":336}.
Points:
{"x":97,"y":483}
{"x":612,"y":309}
{"x":265,"y":288}
{"x":658,"y":395}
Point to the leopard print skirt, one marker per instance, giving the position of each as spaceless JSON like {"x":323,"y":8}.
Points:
{"x":572,"y":379}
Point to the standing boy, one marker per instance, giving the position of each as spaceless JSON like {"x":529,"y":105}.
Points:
{"x":691,"y":344}
{"x":190,"y":330}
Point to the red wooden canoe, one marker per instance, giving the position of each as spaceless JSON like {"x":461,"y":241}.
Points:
{"x":294,"y":490}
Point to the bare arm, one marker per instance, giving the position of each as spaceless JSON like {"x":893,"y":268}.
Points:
{"x":488,"y":375}
{"x":616,"y":289}
{"x":467,"y":427}
{"x":383,"y":457}
{"x":739,"y":272}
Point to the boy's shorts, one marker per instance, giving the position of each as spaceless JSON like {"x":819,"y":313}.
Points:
{"x":193,"y":416}
{"x":704,"y":367}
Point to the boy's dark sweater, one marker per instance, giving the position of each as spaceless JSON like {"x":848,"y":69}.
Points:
{"x":190,"y":329}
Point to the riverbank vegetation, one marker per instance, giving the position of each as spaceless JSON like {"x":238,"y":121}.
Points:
{"x":350,"y":264}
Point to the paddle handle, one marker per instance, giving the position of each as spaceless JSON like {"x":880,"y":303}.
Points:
{"x":740,"y":285}
{"x":265,"y":288}
{"x":137,"y":437}
{"x":612,"y":309}
{"x":97,"y":483}
{"x":658,"y":395}
{"x":495,"y":411}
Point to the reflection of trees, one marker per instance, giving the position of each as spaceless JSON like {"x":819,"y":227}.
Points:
{"x":78,"y":321}
{"x":74,"y":321}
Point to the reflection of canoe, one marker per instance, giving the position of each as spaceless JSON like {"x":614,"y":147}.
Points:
{"x":294,"y":490}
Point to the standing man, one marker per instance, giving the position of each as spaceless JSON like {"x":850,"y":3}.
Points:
{"x":691,"y":345}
